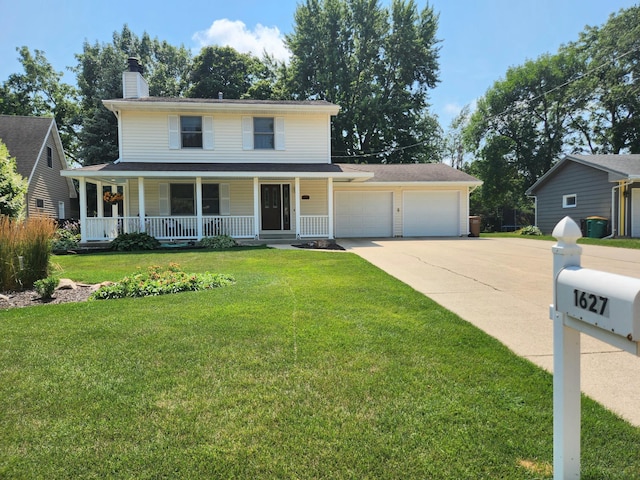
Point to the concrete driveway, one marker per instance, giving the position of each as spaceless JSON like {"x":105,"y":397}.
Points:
{"x":504,"y":287}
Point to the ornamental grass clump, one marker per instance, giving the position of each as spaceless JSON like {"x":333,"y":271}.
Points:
{"x":161,"y":281}
{"x":25,"y":248}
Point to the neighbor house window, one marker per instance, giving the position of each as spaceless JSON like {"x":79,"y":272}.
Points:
{"x":210,"y":199}
{"x":49,"y":157}
{"x":39,"y":203}
{"x":191,"y":132}
{"x":263,"y":133}
{"x":182,"y":199}
{"x":569,"y":201}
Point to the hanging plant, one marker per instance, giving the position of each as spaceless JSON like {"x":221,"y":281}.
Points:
{"x":110,"y":197}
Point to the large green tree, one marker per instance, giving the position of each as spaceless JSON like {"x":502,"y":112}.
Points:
{"x":224,"y":70}
{"x":40,"y":91}
{"x":378,"y":63}
{"x":610,"y":119}
{"x":13,"y":186}
{"x":99,"y":73}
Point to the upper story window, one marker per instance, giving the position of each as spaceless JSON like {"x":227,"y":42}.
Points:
{"x":191,"y":132}
{"x":49,"y":157}
{"x":263,"y":133}
{"x":570,"y":201}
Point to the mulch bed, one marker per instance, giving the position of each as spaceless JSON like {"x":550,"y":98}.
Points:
{"x":29,"y":298}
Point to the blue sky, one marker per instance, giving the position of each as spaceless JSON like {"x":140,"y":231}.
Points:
{"x":480,"y":39}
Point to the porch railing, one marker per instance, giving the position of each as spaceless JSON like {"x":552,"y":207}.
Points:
{"x":314,"y":226}
{"x":169,"y":228}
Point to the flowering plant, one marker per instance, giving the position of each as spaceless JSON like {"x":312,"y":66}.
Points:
{"x":111,"y":197}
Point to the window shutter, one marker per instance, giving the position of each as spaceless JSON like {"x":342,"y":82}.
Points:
{"x":163,"y":199}
{"x":225,"y":199}
{"x":207,"y":133}
{"x":174,"y":132}
{"x":247,"y":133}
{"x":279,"y":133}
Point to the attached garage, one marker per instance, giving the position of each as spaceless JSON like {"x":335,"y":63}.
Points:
{"x":431,"y":213}
{"x":363,"y":214}
{"x":402,"y":200}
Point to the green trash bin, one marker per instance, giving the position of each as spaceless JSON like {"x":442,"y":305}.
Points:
{"x":596,"y":227}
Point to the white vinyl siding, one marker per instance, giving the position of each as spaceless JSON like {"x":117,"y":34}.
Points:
{"x":316,"y":204}
{"x":155,"y":138}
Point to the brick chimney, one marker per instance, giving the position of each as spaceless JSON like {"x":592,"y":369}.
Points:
{"x":133,"y":83}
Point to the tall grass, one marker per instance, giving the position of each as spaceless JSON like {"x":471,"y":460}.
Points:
{"x":25,"y":247}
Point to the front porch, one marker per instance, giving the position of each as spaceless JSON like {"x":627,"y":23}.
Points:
{"x":180,"y":209}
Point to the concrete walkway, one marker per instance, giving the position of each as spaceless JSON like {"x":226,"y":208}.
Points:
{"x":504,"y":287}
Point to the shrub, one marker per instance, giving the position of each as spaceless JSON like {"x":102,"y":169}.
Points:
{"x":46,"y":286}
{"x":159,"y":281}
{"x":530,"y":230}
{"x":66,"y":238}
{"x":25,"y":248}
{"x":218,"y":242}
{"x":127,"y":242}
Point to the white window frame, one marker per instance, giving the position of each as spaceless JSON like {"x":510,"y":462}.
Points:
{"x":248,"y":134}
{"x":175,"y":133}
{"x":567,"y":203}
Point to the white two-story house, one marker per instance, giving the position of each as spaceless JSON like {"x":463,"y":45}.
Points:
{"x":191,"y":168}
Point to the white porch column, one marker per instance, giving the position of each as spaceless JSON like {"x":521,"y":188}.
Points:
{"x":256,"y":208}
{"x":141,"y":208}
{"x":99,"y":200}
{"x":330,"y":205}
{"x":126,"y":204}
{"x":82,"y":188}
{"x":199,"y":205}
{"x":297,"y":189}
{"x":114,"y":206}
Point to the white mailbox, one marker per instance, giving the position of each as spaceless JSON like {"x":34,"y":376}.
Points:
{"x":605,"y":300}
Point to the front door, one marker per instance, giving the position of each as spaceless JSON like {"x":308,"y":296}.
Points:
{"x":275,"y":201}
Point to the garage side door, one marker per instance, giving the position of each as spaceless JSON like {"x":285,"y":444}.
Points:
{"x":363,"y":214}
{"x":431,"y":214}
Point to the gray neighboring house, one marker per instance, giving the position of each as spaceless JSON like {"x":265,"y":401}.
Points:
{"x":35,"y":144}
{"x":580,"y":186}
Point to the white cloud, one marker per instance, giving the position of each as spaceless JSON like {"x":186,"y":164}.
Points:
{"x":452,"y":109}
{"x":235,"y":34}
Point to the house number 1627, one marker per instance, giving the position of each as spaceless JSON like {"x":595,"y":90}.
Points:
{"x":588,"y":301}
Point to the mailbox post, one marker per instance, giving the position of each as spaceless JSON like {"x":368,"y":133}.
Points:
{"x":566,"y":362}
{"x":603,"y":305}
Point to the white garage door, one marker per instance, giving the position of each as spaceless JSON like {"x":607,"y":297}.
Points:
{"x":364,"y":214}
{"x":431,"y":214}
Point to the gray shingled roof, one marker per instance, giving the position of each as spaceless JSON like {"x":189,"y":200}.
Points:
{"x":232,"y":101}
{"x":398,"y":173}
{"x":411,"y":172}
{"x":619,"y":167}
{"x":24,"y":137}
{"x":628,"y":165}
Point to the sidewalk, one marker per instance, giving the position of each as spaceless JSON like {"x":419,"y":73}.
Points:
{"x":504,"y":287}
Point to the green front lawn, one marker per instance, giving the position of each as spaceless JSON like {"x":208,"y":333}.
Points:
{"x":313,"y":365}
{"x":609,"y":242}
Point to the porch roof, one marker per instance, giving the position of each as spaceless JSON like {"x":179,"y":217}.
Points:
{"x":218,"y":170}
